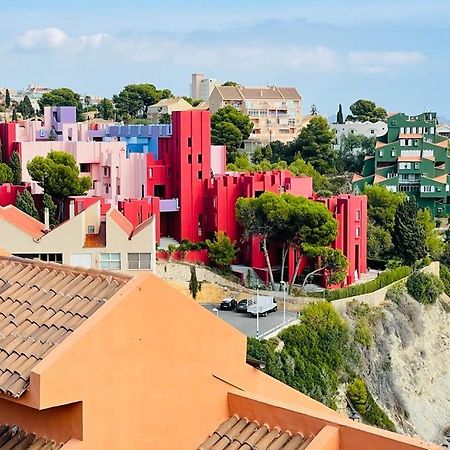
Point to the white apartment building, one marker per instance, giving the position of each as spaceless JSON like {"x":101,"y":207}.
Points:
{"x":275,"y":111}
{"x":368,"y":129}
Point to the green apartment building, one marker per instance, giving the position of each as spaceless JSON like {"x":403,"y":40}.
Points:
{"x":411,"y":157}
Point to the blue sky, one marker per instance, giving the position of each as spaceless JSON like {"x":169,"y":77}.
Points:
{"x":394,"y":52}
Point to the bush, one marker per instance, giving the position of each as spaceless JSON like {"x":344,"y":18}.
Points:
{"x":363,"y":333}
{"x":396,"y":292}
{"x":384,"y":279}
{"x":424,"y":287}
{"x":366,"y":406}
{"x":444,"y":274}
{"x":221,"y":251}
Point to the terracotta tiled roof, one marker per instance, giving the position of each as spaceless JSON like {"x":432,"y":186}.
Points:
{"x":357,"y":177}
{"x":411,"y":136}
{"x":40,"y":305}
{"x":379,"y":178}
{"x":122,"y":221}
{"x":13,"y":438}
{"x":409,"y":158}
{"x":96,"y":240}
{"x":441,"y":178}
{"x":380,"y":144}
{"x":240,"y":433}
{"x":443,"y":144}
{"x":23,"y":221}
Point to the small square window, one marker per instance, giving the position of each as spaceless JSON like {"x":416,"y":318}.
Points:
{"x":91,"y":229}
{"x":189,"y":159}
{"x":199,"y":158}
{"x":189,"y":142}
{"x":199,"y":175}
{"x":357,"y":231}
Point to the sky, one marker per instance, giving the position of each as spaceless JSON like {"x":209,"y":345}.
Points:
{"x":394,"y":52}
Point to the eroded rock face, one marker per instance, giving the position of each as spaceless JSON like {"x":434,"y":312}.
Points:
{"x":407,"y":368}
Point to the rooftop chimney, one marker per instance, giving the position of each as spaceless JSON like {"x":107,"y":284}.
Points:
{"x":46,"y":220}
{"x":71,"y":209}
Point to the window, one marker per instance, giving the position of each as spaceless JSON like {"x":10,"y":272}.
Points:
{"x":110,"y":261}
{"x":189,"y":159}
{"x":85,"y":167}
{"x":91,"y":229}
{"x":372,"y":131}
{"x":358,"y":214}
{"x":199,"y":159}
{"x":357,"y":231}
{"x":392,"y":152}
{"x":380,"y":153}
{"x":106,"y":171}
{"x":189,"y":142}
{"x":47,"y":257}
{"x":199,"y":174}
{"x":150,"y":172}
{"x":416,"y":166}
{"x":427,"y":189}
{"x":139,"y":261}
{"x":404,"y":165}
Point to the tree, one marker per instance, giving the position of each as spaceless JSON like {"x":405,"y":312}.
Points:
{"x":62,"y":97}
{"x":379,"y":242}
{"x":366,"y":110}
{"x":194,"y":285}
{"x":315,"y":145}
{"x":424,"y":287}
{"x":7,"y":99}
{"x":58,"y":174}
{"x":16,"y":168}
{"x":165,"y":118}
{"x":300,"y":167}
{"x":230,"y":127}
{"x":230,"y":83}
{"x":26,"y":108}
{"x":106,"y":109}
{"x":221,"y":250}
{"x":408,"y":236}
{"x":192,"y":101}
{"x":47,"y":202}
{"x":14,"y":115}
{"x":353,"y":149}
{"x":135,"y":99}
{"x":310,"y":225}
{"x":340,"y":115}
{"x":25,"y":203}
{"x":382,"y":205}
{"x":6,"y":174}
{"x":433,"y":242}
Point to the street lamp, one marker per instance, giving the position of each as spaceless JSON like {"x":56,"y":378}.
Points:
{"x":257,"y":310}
{"x":283,"y":283}
{"x":216,"y":311}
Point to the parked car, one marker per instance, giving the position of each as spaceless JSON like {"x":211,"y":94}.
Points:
{"x":263,"y":306}
{"x":243,"y":305}
{"x":228,"y":304}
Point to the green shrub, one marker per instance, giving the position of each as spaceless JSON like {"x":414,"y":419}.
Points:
{"x":396,"y":292}
{"x":384,"y":279}
{"x":366,"y":406}
{"x":363,"y":333}
{"x":444,"y":274}
{"x":424,"y":287}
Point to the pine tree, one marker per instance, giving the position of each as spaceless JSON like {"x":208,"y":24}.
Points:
{"x":47,"y":202}
{"x":14,"y":115}
{"x":340,"y":115}
{"x":25,"y":203}
{"x":16,"y":168}
{"x":7,"y":99}
{"x":194,"y":286}
{"x":409,"y":235}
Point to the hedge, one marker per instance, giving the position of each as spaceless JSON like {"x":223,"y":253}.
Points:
{"x":384,"y":279}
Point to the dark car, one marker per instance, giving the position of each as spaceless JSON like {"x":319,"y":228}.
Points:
{"x":228,"y":304}
{"x":242,"y":306}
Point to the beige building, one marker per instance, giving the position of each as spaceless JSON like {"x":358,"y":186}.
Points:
{"x":87,"y":239}
{"x":167,"y":106}
{"x":274,"y":111}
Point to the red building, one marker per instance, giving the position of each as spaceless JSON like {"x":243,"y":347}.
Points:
{"x":8,"y":138}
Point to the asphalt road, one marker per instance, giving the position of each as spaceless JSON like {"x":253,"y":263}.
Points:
{"x":247,"y":324}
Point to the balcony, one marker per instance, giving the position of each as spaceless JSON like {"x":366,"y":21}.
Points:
{"x":169,"y":205}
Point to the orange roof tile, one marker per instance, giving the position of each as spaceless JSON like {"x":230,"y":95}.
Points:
{"x":441,"y":178}
{"x":22,"y":220}
{"x":357,"y":177}
{"x":122,"y":221}
{"x":409,"y":158}
{"x":40,"y":305}
{"x":443,"y":144}
{"x":12,"y":437}
{"x":379,"y":178}
{"x":237,"y":432}
{"x":411,"y":136}
{"x":380,"y":144}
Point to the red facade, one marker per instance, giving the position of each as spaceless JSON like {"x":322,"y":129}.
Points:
{"x":7,"y":138}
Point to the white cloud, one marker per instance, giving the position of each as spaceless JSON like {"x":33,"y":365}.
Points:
{"x":93,"y":40}
{"x":44,"y":39}
{"x":382,"y":62}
